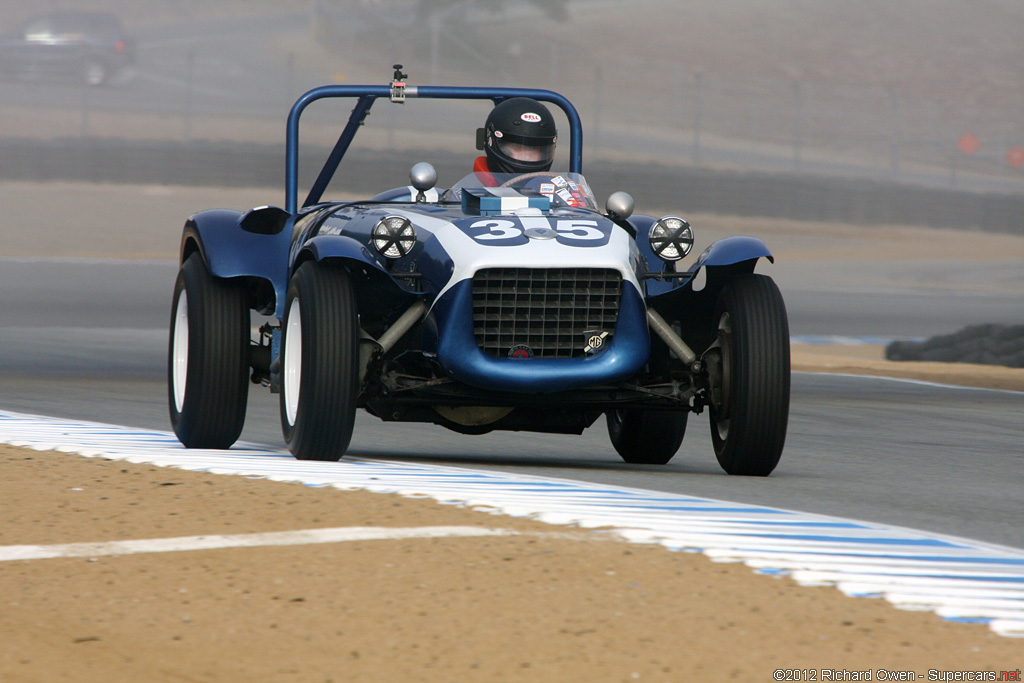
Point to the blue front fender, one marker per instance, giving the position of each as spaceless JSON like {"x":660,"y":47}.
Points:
{"x":729,"y":251}
{"x":732,"y":250}
{"x":229,"y":251}
{"x":340,"y":246}
{"x":375,"y":291}
{"x":693,"y":309}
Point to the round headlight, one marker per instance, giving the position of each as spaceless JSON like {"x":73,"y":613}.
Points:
{"x":671,"y":238}
{"x":394,"y":237}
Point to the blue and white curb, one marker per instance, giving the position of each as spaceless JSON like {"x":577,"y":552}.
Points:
{"x":956,"y":578}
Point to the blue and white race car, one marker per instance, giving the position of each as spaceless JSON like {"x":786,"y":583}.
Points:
{"x":502,"y":302}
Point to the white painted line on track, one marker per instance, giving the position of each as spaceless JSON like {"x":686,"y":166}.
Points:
{"x":224,"y":541}
{"x":912,"y":569}
{"x":908,"y":380}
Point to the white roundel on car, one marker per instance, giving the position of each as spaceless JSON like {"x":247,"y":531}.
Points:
{"x":530,"y":117}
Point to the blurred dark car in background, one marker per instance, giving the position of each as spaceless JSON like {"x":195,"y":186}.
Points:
{"x":68,"y":46}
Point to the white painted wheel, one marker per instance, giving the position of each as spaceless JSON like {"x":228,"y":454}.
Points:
{"x":292,"y":362}
{"x":179,"y":350}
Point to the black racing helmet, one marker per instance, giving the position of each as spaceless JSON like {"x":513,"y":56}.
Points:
{"x":519,"y":137}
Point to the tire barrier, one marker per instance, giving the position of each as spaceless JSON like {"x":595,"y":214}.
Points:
{"x":982,"y":344}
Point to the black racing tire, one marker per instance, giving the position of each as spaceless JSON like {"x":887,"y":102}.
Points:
{"x":208,"y":358}
{"x":750,"y":414}
{"x":646,"y":437}
{"x":319,"y":363}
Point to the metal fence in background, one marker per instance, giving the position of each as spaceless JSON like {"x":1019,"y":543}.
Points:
{"x":694,"y":140}
{"x":647,"y":103}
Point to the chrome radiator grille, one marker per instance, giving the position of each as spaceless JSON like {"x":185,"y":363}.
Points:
{"x":549,"y":311}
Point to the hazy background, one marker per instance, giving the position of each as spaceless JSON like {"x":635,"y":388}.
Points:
{"x":876,"y":89}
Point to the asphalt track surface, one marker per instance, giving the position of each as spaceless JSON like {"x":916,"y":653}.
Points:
{"x":934,"y":458}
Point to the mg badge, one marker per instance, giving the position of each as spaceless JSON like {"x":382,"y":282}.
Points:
{"x":520,"y":351}
{"x":595,"y":341}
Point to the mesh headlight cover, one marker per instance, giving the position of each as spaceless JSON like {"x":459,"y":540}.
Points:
{"x":671,"y":238}
{"x":394,"y":237}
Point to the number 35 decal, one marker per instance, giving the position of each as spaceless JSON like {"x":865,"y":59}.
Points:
{"x":513,"y":232}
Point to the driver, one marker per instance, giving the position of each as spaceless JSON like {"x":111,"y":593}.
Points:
{"x":518,"y":137}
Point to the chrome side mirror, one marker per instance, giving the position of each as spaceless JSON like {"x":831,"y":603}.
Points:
{"x":423,"y":177}
{"x":619,"y":206}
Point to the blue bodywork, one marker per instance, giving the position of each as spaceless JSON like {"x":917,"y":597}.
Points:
{"x":265,"y":246}
{"x":229,"y":251}
{"x":457,"y":350}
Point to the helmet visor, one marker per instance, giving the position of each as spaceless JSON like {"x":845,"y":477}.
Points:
{"x":532,"y":154}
